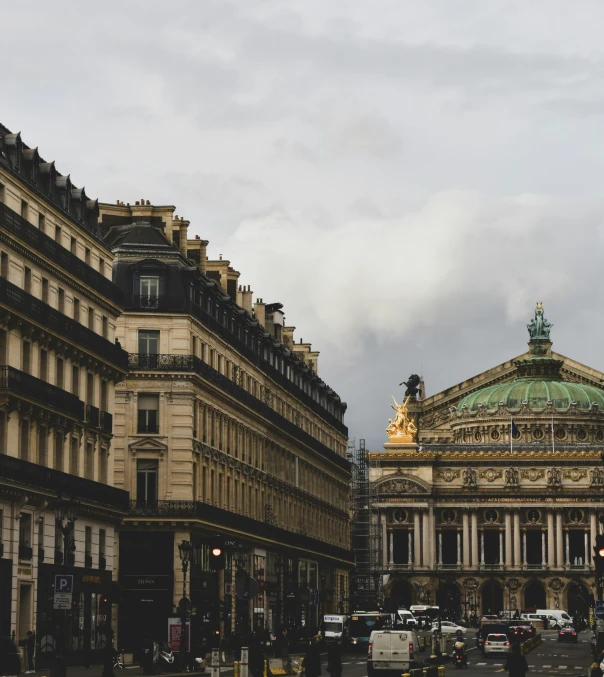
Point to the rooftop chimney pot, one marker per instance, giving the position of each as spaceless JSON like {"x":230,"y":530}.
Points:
{"x":137,"y":203}
{"x":148,"y":202}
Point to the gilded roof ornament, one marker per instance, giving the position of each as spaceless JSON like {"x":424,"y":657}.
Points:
{"x":401,"y":429}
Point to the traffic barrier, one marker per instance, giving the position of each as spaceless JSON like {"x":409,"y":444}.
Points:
{"x":441,"y":671}
{"x":236,"y":670}
{"x":244,"y":661}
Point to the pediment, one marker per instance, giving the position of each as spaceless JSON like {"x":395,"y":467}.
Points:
{"x":399,"y":484}
{"x":148,"y":444}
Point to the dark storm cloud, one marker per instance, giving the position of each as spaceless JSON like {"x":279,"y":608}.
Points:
{"x":408,"y":178}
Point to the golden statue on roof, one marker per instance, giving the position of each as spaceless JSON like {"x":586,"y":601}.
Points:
{"x":402,"y":428}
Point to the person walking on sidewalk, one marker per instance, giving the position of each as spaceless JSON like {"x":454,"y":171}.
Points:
{"x":29,"y":642}
{"x":334,"y":659}
{"x":312,"y":658}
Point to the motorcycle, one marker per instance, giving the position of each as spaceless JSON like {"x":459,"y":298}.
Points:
{"x":165,"y":656}
{"x":459,"y":659}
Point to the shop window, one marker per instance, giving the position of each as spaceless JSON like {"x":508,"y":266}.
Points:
{"x":146,"y":481}
{"x":148,"y":414}
{"x":25,"y":525}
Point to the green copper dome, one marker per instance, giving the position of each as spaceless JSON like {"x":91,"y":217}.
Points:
{"x":536,"y":393}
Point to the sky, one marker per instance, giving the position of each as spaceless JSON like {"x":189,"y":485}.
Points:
{"x":407,"y":177}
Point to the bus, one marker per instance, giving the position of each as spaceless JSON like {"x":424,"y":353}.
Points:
{"x":362,"y":623}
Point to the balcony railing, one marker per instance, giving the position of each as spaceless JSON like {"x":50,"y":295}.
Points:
{"x":147,"y":428}
{"x":25,"y":552}
{"x":106,"y":422}
{"x":166,"y":362}
{"x":92,"y":415}
{"x":14,"y":224}
{"x":58,"y":323}
{"x":243,"y":525}
{"x":31,"y":474}
{"x":19,"y":382}
{"x":180,"y":304}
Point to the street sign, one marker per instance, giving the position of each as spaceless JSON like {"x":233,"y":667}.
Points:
{"x":63,"y":592}
{"x":599,"y":609}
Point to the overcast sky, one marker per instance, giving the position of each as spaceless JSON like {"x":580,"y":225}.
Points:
{"x":407,"y":178}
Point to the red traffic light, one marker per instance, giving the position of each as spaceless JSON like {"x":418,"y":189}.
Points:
{"x":216,"y":552}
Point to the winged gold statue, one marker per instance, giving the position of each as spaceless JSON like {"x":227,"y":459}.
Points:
{"x":402,"y":428}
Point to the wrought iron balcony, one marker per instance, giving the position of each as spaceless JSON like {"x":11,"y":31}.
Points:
{"x":47,"y":395}
{"x":58,"y":323}
{"x":106,"y":422}
{"x":192,"y":363}
{"x":16,"y":225}
{"x":17,"y":471}
{"x":92,"y":415}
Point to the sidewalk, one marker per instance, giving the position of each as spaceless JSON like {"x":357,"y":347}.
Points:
{"x":128,"y":671}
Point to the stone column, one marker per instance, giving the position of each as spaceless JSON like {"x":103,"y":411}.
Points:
{"x":593,"y":527}
{"x":508,"y":540}
{"x":474,"y":540}
{"x":458,"y":548}
{"x":431,"y":537}
{"x":409,"y":548}
{"x":543,"y":557}
{"x":566,"y":548}
{"x":384,"y":541}
{"x":440,"y":547}
{"x":517,"y":547}
{"x":524,"y":547}
{"x":551,"y":555}
{"x":586,"y":549}
{"x":426,"y":539}
{"x":482,"y":547}
{"x":391,"y":546}
{"x":559,"y":555}
{"x":501,"y":548}
{"x":417,"y":541}
{"x":465,"y":518}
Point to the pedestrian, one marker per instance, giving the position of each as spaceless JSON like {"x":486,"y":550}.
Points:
{"x":517,"y":665}
{"x":334,"y":659}
{"x":596,"y":670}
{"x":312,"y":658}
{"x":256,"y":656}
{"x":29,"y":642}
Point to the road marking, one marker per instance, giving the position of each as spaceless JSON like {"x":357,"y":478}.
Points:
{"x":547,"y":666}
{"x":480,"y":664}
{"x":562,"y":667}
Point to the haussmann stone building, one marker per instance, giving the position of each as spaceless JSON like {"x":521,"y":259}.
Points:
{"x":488,"y":495}
{"x":223,"y":427}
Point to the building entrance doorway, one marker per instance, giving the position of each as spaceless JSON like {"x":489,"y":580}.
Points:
{"x":25,"y":621}
{"x":534,"y":596}
{"x":492,"y":597}
{"x":400,"y":595}
{"x":578,"y":600}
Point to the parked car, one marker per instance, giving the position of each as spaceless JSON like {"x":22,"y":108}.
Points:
{"x":450,"y":628}
{"x":567,"y":634}
{"x":496,"y":643}
{"x":10,"y":657}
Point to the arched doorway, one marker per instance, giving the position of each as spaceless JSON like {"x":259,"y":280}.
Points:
{"x":534,"y":596}
{"x":578,"y":599}
{"x":398,"y":595}
{"x":492,"y":597}
{"x":448,"y":598}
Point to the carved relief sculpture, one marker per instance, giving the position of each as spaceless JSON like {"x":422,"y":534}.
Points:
{"x":532,"y":474}
{"x":401,"y":486}
{"x":447,"y":474}
{"x":574,"y":474}
{"x":512,"y":477}
{"x":401,"y":429}
{"x":554,"y":477}
{"x":490,"y":474}
{"x":469,"y":478}
{"x":596,"y":476}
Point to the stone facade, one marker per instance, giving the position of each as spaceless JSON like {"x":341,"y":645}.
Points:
{"x":221,"y":429}
{"x":58,"y":366}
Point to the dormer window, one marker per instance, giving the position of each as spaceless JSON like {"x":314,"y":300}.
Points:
{"x":149,"y":291}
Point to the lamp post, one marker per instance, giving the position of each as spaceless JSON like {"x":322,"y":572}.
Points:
{"x":185,"y":550}
{"x":278,"y":569}
{"x":66,"y":513}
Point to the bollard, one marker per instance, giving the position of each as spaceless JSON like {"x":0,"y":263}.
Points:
{"x":406,"y":674}
{"x":266,"y":668}
{"x":215,"y":669}
{"x":244,"y":659}
{"x":441,"y":671}
{"x":236,"y":672}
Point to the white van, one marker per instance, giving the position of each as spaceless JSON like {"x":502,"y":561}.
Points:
{"x":560,"y":615}
{"x":559,"y":620}
{"x":333,"y":627}
{"x":404,"y":617}
{"x":392,"y":651}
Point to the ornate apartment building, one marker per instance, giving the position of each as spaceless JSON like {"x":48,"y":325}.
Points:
{"x":494,"y":502}
{"x":223,"y":427}
{"x":58,"y":366}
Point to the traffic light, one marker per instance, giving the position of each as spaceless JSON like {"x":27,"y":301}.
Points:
{"x":217,"y":555}
{"x":599,"y":555}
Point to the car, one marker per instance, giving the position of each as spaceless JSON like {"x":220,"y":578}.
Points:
{"x":567,"y":634}
{"x":392,"y":652}
{"x":449,"y":628}
{"x":518,"y":633}
{"x":496,"y":643}
{"x":10,"y":657}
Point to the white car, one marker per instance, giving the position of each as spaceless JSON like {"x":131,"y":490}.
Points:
{"x":449,"y":628}
{"x":496,"y":643}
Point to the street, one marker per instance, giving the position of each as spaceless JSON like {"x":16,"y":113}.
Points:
{"x":549,"y":658}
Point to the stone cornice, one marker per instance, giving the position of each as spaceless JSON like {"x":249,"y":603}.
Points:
{"x":508,"y":456}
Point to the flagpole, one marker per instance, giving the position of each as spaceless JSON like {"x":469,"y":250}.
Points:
{"x":511,"y":435}
{"x":553,"y":439}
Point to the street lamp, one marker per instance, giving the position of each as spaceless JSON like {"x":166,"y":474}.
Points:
{"x":185,"y":550}
{"x":66,"y":513}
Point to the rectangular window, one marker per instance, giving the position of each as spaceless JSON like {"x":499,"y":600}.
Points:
{"x":42,"y":223}
{"x":73,"y":247}
{"x":103,"y":395}
{"x":41,"y":538}
{"x":25,"y":524}
{"x":103,"y":462}
{"x":89,"y":462}
{"x":26,"y":357}
{"x":105,"y":327}
{"x":102,"y":267}
{"x":62,"y":301}
{"x":24,"y":440}
{"x":27,"y":280}
{"x":58,"y":234}
{"x":59,"y":451}
{"x":76,"y":310}
{"x":44,"y":365}
{"x":148,"y":414}
{"x":45,"y":290}
{"x":24,"y":209}
{"x":148,"y":342}
{"x":87,"y":255}
{"x":88,"y":547}
{"x":75,"y":380}
{"x":42,"y":451}
{"x":74,"y":457}
{"x":146,"y":481}
{"x":89,"y":388}
{"x":60,"y":378}
{"x":90,"y":318}
{"x":149,"y":292}
{"x":4,"y":265}
{"x":102,"y":556}
{"x":1,"y":192}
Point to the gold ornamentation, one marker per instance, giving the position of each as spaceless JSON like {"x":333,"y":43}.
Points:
{"x":402,"y":428}
{"x":574,"y":474}
{"x":447,"y":474}
{"x":490,"y":474}
{"x":401,"y":486}
{"x":532,"y":474}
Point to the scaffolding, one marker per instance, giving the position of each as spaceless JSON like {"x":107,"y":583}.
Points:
{"x":365,"y":533}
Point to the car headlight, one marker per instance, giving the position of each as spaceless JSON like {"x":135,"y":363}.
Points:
{"x":354,"y":640}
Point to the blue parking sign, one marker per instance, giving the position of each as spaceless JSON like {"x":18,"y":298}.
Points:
{"x":64,"y":583}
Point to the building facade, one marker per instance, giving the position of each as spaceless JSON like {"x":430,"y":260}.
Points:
{"x":58,"y":367}
{"x":223,"y":428}
{"x":496,"y":502}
